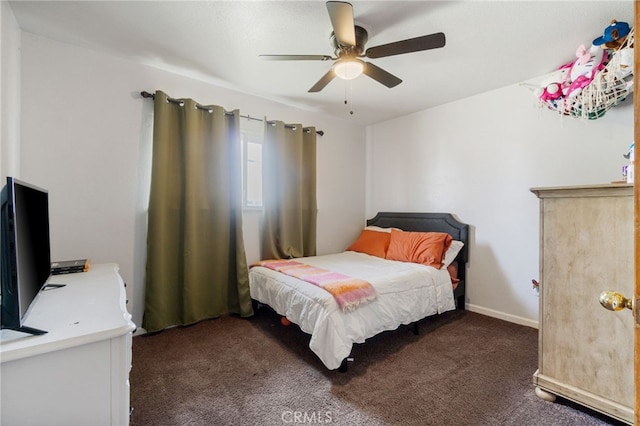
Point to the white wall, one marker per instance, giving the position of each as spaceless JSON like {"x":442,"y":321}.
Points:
{"x":86,"y":137}
{"x":9,"y":93}
{"x":478,"y":158}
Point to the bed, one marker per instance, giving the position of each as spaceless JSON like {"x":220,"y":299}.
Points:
{"x":405,"y":292}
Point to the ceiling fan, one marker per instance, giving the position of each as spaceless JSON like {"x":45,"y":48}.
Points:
{"x":348,"y":41}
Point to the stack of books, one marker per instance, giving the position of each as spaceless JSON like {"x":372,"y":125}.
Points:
{"x":70,"y":266}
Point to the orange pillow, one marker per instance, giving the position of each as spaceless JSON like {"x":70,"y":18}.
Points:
{"x":427,"y":248}
{"x":372,"y":242}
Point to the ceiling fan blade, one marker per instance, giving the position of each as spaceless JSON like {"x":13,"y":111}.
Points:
{"x":341,"y":15}
{"x":380,"y":75}
{"x":431,"y":41}
{"x":296,"y":57}
{"x":326,"y":79}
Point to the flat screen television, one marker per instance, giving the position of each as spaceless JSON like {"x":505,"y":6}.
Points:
{"x":26,"y":251}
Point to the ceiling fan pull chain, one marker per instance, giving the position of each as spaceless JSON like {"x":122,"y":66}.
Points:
{"x":351,"y":96}
{"x":348,"y":95}
{"x":346,"y":102}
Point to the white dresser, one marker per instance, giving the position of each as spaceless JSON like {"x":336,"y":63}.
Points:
{"x":585,"y":352}
{"x":77,"y":373}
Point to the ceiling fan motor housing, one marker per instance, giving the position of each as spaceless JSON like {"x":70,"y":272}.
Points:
{"x":361,"y":39}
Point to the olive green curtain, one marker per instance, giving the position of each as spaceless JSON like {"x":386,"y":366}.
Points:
{"x":196,"y":263}
{"x":288,"y":191}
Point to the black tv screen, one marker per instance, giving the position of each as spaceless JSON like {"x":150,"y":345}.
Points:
{"x":26,"y":251}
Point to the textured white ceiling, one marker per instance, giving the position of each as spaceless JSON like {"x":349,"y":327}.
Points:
{"x":490,"y":44}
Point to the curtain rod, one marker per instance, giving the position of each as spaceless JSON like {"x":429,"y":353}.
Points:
{"x":146,"y":94}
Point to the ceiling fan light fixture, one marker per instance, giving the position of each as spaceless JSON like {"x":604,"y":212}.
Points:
{"x":348,"y":69}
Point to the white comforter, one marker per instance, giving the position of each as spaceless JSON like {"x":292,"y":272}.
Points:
{"x":407,"y":292}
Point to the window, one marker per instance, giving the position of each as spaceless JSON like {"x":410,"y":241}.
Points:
{"x":251,"y":135}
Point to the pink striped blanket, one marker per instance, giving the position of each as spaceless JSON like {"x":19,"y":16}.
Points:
{"x":348,"y":292}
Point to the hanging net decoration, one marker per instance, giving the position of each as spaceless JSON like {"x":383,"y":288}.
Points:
{"x":595,"y":82}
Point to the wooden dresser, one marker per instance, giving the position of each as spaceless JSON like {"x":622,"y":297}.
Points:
{"x":585,"y":352}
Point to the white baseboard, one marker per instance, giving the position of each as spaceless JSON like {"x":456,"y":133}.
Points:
{"x":501,"y":315}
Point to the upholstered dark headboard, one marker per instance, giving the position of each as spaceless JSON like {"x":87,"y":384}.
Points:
{"x":432,"y":222}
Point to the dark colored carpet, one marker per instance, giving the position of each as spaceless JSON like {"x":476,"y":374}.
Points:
{"x":462,"y":369}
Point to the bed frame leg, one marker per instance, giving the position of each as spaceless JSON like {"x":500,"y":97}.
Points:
{"x":344,"y":366}
{"x":256,"y":305}
{"x":460,"y":303}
